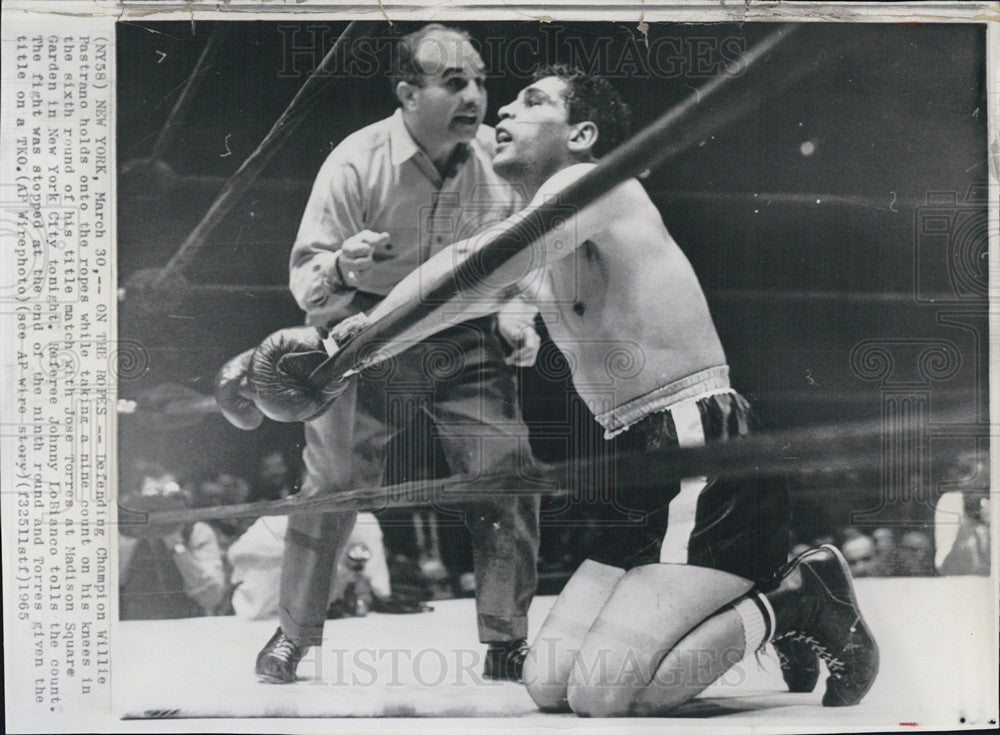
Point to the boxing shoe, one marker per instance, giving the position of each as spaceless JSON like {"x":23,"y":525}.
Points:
{"x":822,"y":613}
{"x":505,"y":660}
{"x":277,"y":661}
{"x":799,"y":664}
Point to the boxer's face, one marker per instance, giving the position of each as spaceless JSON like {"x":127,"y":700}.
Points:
{"x":533,"y":132}
{"x":451,"y":102}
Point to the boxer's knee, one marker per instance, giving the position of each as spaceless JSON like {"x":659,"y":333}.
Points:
{"x":698,"y":660}
{"x":558,"y":645}
{"x":597,"y":690}
{"x":608,"y":677}
{"x":601,"y":698}
{"x":637,"y":656}
{"x":544,"y":678}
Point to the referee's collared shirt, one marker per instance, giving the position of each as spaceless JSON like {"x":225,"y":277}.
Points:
{"x":379,"y":179}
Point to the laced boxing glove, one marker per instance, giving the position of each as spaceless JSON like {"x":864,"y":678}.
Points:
{"x":347,"y":329}
{"x":233,"y":393}
{"x":279,"y":370}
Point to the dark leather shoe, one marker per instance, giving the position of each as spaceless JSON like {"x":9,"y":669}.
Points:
{"x":799,"y":664}
{"x":505,"y":660}
{"x":277,"y":662}
{"x":823,"y":614}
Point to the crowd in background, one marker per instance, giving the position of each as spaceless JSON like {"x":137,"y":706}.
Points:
{"x":885,"y":552}
{"x":232,"y":567}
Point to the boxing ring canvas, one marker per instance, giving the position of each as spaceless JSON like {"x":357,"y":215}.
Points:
{"x":933,"y":634}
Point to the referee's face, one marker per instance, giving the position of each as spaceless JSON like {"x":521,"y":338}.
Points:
{"x":450,"y":104}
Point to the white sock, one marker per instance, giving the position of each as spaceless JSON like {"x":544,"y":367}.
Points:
{"x":754,"y":624}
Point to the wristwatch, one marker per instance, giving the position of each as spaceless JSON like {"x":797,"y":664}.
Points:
{"x":348,"y":279}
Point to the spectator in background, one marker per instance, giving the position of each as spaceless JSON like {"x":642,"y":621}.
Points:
{"x":859,"y":550}
{"x":798,"y":550}
{"x":274,"y":479}
{"x":850,"y":533}
{"x":255,"y":559}
{"x":234,"y":489}
{"x":885,"y":551}
{"x":962,"y":533}
{"x":366,"y":531}
{"x":224,"y":489}
{"x":916,"y":557}
{"x":824,"y":539}
{"x":962,"y":517}
{"x":166,"y":572}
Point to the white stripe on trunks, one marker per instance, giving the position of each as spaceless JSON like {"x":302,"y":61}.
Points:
{"x":681,"y":518}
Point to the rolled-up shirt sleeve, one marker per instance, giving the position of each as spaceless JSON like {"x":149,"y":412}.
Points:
{"x":334,"y":213}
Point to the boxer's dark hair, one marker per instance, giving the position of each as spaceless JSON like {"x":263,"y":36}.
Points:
{"x":593,"y":98}
{"x":404,"y":66}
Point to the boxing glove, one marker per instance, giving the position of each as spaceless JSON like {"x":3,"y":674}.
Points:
{"x":347,"y":329}
{"x":234,"y":395}
{"x":279,"y":370}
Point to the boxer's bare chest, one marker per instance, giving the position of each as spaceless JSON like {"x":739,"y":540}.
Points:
{"x":574,"y":287}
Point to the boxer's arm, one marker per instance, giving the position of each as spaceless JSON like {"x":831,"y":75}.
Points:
{"x":491,"y":291}
{"x":508,"y":280}
{"x":332,"y":215}
{"x":440,"y":268}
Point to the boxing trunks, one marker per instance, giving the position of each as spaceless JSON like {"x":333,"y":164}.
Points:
{"x":737,"y":525}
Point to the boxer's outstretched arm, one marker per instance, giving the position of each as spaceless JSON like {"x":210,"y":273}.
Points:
{"x":415,"y":287}
{"x":494,"y":289}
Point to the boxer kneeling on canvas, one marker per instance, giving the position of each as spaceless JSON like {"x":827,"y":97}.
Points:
{"x":665,"y":606}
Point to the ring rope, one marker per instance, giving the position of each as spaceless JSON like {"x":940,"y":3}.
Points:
{"x":305,"y":99}
{"x":649,"y":148}
{"x":828,"y":448}
{"x":187,"y":93}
